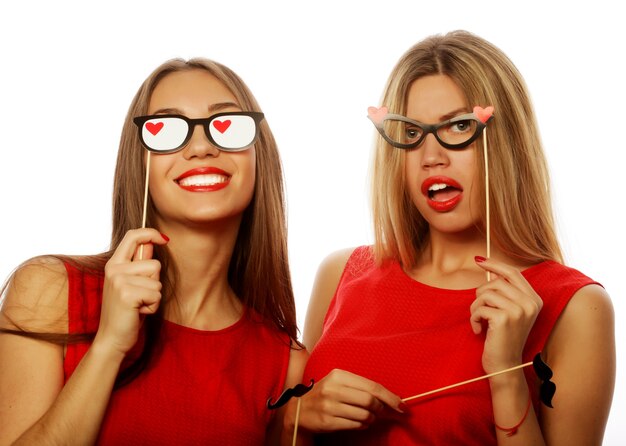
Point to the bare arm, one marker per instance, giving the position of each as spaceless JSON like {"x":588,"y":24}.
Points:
{"x":35,"y":408}
{"x":31,"y":371}
{"x":580,"y":351}
{"x":76,"y":414}
{"x":284,"y":418}
{"x":326,"y":281}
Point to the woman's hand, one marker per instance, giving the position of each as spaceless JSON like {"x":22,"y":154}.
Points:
{"x":132,"y":289}
{"x":343,"y":401}
{"x":508,"y":306}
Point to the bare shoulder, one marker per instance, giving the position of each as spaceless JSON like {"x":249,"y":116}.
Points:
{"x":326,"y":281}
{"x":35,"y":297}
{"x":590,"y":308}
{"x":592,"y":299}
{"x":333,"y":265}
{"x":589,"y":317}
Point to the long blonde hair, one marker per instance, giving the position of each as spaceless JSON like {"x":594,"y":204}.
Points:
{"x":522,"y":224}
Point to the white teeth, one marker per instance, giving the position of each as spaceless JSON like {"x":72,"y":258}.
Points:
{"x":437,"y":186}
{"x":203,"y":180}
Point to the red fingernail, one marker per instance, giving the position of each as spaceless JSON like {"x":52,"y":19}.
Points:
{"x":165,"y":237}
{"x":480,"y":259}
{"x":403,"y":407}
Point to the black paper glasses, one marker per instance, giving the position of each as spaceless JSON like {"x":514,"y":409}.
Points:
{"x":229,"y":131}
{"x":404,"y":133}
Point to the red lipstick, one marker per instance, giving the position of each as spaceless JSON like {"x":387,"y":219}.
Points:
{"x":442,"y":205}
{"x":205,"y":184}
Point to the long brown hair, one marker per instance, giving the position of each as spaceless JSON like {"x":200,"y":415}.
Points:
{"x":259,"y":270}
{"x":522,"y":223}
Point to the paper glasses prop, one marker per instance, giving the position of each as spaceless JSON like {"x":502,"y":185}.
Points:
{"x":404,"y":133}
{"x":454,"y":134}
{"x":228,"y":131}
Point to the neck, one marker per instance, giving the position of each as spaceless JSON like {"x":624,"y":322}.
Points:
{"x":447,"y":260}
{"x":202,"y":297}
{"x":448,"y":252}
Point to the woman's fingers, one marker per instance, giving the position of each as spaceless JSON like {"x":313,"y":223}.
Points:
{"x":116,"y":274}
{"x":502,"y":294}
{"x":504,"y":271}
{"x":508,"y":306}
{"x":370,"y":387}
{"x":129,"y":247}
{"x":483,"y":313}
{"x":515,"y":305}
{"x":343,"y":400}
{"x":131,"y":289}
{"x":139,"y":295}
{"x":355,"y":405}
{"x":348,"y":399}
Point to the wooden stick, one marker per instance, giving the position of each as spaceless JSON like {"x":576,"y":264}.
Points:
{"x":145,"y":201}
{"x":295,"y":430}
{"x":487,"y":198}
{"x":441,"y":389}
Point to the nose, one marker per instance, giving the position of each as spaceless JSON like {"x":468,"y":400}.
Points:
{"x":199,"y":145}
{"x":433,"y":153}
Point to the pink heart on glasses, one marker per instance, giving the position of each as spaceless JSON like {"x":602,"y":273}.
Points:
{"x":377,"y":114}
{"x":221,"y":126}
{"x":483,"y":114}
{"x":154,"y":128}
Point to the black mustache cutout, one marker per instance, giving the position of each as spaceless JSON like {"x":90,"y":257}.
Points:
{"x":296,"y":391}
{"x":547,"y":388}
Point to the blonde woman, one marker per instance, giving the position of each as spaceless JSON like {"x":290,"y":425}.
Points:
{"x":415,"y":311}
{"x":181,"y":332}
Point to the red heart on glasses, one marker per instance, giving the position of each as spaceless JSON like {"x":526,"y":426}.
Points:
{"x":483,"y":114}
{"x":221,"y":126}
{"x":154,"y":128}
{"x":377,"y":114}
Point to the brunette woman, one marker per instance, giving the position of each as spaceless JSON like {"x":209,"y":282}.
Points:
{"x":182,"y":331}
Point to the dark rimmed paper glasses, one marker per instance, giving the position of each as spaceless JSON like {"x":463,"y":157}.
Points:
{"x":404,"y":133}
{"x":229,"y":131}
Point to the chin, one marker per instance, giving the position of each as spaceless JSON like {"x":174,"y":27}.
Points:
{"x":465,"y":229}
{"x":215,"y":217}
{"x":450,"y":223}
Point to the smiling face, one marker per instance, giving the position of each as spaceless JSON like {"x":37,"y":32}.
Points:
{"x":199,"y":183}
{"x":442,"y":183}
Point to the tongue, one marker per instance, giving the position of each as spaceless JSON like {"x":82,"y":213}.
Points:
{"x":445,"y":194}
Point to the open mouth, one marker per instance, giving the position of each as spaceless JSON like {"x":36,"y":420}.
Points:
{"x":443,"y":192}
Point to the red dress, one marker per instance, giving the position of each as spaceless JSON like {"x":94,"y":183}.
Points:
{"x":412,"y":338}
{"x":202,"y":387}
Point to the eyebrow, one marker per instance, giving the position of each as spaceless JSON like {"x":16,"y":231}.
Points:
{"x":212,"y":108}
{"x":222,"y":105}
{"x":454,"y":113}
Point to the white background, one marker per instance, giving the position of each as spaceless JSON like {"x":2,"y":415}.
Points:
{"x":69,"y":70}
